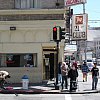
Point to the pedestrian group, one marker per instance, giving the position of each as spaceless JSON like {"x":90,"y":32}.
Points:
{"x":65,"y":72}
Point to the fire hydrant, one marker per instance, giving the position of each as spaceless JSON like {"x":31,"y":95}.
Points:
{"x":25,"y":82}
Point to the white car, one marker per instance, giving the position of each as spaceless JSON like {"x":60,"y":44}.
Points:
{"x":90,"y":64}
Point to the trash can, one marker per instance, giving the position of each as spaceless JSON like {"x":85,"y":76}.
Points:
{"x":25,"y":82}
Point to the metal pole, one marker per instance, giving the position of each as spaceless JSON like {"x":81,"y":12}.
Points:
{"x":83,"y":8}
{"x":56,"y":85}
{"x":69,"y":26}
{"x":85,"y":40}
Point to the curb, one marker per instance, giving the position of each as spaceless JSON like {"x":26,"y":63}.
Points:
{"x":44,"y":92}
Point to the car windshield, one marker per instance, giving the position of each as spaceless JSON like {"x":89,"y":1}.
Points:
{"x":89,"y":60}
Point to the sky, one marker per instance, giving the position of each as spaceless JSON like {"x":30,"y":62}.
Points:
{"x":92,"y":8}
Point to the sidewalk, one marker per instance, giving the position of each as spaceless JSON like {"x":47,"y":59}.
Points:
{"x":48,"y":87}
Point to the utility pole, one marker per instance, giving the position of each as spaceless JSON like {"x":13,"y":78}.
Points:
{"x":85,"y":51}
{"x":67,"y":26}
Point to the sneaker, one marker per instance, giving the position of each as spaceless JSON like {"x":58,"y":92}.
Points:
{"x":95,"y":88}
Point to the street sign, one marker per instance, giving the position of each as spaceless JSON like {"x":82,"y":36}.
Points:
{"x":74,"y":2}
{"x":70,"y":48}
{"x":79,"y":27}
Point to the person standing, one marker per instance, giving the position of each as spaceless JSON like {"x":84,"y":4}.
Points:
{"x":95,"y":74}
{"x":73,"y":75}
{"x":85,"y":70}
{"x":64,"y":71}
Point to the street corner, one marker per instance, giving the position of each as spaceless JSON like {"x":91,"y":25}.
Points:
{"x":87,"y":91}
{"x":21,"y":91}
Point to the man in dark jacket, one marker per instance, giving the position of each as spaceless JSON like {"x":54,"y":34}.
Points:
{"x":95,"y":74}
{"x":73,"y":74}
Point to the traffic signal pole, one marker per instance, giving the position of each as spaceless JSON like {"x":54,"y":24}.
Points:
{"x":58,"y":35}
{"x":56,"y":38}
{"x":56,"y":85}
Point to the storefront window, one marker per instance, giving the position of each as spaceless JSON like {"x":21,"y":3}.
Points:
{"x":18,"y":60}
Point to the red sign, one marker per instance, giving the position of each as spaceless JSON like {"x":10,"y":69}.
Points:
{"x":79,"y":20}
{"x":74,"y":2}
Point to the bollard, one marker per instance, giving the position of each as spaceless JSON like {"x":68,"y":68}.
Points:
{"x":25,"y":82}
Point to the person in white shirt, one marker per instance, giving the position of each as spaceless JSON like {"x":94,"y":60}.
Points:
{"x":3,"y":76}
{"x":64,"y":72}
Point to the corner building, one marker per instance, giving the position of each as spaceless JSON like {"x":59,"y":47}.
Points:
{"x":26,"y":43}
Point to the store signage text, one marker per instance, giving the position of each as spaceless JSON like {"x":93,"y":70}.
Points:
{"x":79,"y":27}
{"x":74,"y":2}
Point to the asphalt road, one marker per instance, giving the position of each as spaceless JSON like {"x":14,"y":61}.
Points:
{"x":50,"y":97}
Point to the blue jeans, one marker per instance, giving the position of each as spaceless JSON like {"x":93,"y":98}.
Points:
{"x":65,"y":79}
{"x":94,"y":82}
{"x":60,"y":78}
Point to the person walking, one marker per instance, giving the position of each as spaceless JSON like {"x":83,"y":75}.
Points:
{"x":95,"y":74}
{"x":75,"y":64}
{"x":85,"y":70}
{"x":73,"y":75}
{"x":64,"y":71}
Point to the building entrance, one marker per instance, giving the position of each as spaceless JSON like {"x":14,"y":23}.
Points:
{"x":49,"y":65}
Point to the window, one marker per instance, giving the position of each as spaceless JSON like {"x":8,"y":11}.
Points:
{"x":18,"y":60}
{"x":24,"y":4}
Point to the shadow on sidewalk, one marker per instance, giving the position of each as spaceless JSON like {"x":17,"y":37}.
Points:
{"x":88,"y":90}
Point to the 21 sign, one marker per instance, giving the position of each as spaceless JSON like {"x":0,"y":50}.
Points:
{"x":79,"y":27}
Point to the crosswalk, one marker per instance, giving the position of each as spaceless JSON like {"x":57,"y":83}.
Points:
{"x":95,"y":96}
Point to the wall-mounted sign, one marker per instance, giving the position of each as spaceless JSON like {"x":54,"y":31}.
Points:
{"x":79,"y":27}
{"x":74,"y":2}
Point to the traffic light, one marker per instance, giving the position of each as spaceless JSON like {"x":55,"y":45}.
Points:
{"x":71,"y":12}
{"x":62,"y":33}
{"x":68,"y":15}
{"x":68,"y":20}
{"x":56,"y":33}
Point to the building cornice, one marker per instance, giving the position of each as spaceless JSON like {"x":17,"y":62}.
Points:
{"x":32,"y":11}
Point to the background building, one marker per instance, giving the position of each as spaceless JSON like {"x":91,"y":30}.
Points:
{"x":92,"y":44}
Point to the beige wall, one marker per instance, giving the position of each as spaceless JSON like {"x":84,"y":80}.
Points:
{"x":29,"y":37}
